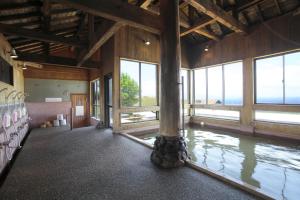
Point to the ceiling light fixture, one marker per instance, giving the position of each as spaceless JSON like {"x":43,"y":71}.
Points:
{"x":206,"y":48}
{"x":13,"y":53}
{"x":24,"y":67}
{"x":147,"y":42}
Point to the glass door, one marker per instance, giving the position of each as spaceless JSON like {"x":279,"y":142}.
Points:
{"x":108,"y":83}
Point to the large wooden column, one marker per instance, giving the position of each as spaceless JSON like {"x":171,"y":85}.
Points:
{"x":169,"y":148}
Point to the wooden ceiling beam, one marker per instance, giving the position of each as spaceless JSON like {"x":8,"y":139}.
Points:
{"x":249,"y":5}
{"x":12,"y":30}
{"x":144,"y":3}
{"x":45,"y":21}
{"x":183,"y":4}
{"x":22,"y":16}
{"x":14,"y":6}
{"x":215,"y":12}
{"x":119,"y":11}
{"x":200,"y":24}
{"x":278,"y":7}
{"x":103,"y":34}
{"x":54,"y":60}
{"x":185,"y":24}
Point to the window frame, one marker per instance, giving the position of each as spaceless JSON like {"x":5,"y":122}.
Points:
{"x":223,"y":85}
{"x":92,"y":94}
{"x":140,"y":81}
{"x":283,"y":78}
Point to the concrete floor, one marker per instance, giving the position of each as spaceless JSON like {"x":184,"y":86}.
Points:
{"x":91,"y":164}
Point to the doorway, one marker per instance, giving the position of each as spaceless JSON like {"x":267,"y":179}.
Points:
{"x":79,"y":107}
{"x":108,"y":85}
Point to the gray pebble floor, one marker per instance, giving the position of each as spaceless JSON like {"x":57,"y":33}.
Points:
{"x":87,"y":163}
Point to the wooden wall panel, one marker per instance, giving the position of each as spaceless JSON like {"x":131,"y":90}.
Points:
{"x":277,"y":35}
{"x":131,"y":45}
{"x":60,"y":73}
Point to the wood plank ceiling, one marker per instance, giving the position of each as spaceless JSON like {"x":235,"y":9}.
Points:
{"x":38,"y":28}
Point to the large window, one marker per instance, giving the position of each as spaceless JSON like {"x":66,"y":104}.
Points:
{"x":138,"y":84}
{"x":215,"y":85}
{"x":135,"y":117}
{"x":221,"y":114}
{"x":185,"y":74}
{"x":200,"y":86}
{"x":221,"y":84}
{"x":277,"y":79}
{"x":95,"y":99}
{"x":274,"y":116}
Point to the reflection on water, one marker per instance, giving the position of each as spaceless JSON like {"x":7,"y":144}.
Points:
{"x":272,"y":165}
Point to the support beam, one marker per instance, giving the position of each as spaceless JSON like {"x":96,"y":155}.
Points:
{"x":54,"y":60}
{"x":46,"y":18}
{"x":25,"y":33}
{"x":144,"y":3}
{"x":13,"y":6}
{"x":278,"y":7}
{"x":185,"y":24}
{"x":202,"y":23}
{"x":91,"y":28}
{"x":218,"y":14}
{"x":104,"y":33}
{"x":169,"y":148}
{"x":183,"y":4}
{"x":119,"y":11}
{"x":249,"y":5}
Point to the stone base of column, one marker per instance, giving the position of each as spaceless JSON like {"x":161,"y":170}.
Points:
{"x":169,"y":152}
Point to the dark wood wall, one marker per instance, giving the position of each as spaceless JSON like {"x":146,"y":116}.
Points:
{"x":54,"y":72}
{"x":132,"y":46}
{"x":277,"y":35}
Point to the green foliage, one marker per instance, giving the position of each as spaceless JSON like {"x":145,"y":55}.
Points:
{"x":129,"y":90}
{"x":149,"y":101}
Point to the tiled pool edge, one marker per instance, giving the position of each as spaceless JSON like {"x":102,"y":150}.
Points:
{"x":232,"y":181}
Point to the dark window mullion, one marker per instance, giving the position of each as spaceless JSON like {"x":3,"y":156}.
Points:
{"x":140,"y":84}
{"x":206,"y":79}
{"x":283,"y":77}
{"x":223,"y":85}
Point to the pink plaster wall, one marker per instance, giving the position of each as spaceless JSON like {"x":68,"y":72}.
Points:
{"x":41,"y":112}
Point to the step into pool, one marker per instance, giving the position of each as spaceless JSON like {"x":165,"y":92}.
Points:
{"x":269,"y":164}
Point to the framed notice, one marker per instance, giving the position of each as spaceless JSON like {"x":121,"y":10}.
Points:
{"x":79,"y":111}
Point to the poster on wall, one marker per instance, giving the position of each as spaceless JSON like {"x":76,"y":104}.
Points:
{"x":53,"y":99}
{"x":6,"y":72}
{"x":79,"y":111}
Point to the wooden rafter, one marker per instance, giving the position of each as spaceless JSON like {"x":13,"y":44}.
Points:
{"x":103,"y":34}
{"x":183,"y":4}
{"x":278,"y":7}
{"x":202,"y":23}
{"x":14,"y":6}
{"x":185,"y":24}
{"x":218,"y":14}
{"x":54,"y":60}
{"x":119,"y":11}
{"x":12,"y":30}
{"x":45,"y":20}
{"x":13,"y":17}
{"x":144,"y":3}
{"x":81,"y":24}
{"x":91,"y":28}
{"x":249,"y":5}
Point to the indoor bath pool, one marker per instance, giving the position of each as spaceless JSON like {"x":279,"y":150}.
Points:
{"x":268,"y":164}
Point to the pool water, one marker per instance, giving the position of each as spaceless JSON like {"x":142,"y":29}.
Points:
{"x":268,"y":164}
